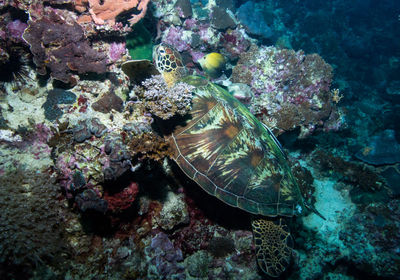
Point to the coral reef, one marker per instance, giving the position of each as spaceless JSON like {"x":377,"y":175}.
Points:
{"x":173,"y":212}
{"x":166,"y":259}
{"x":25,"y":148}
{"x":119,"y":201}
{"x":102,"y":12}
{"x":291,"y":89}
{"x":374,"y":236}
{"x":221,"y":246}
{"x":162,"y":101}
{"x":90,"y":200}
{"x":84,"y":129}
{"x":31,"y":220}
{"x":61,"y":46}
{"x":359,"y":175}
{"x":87,"y":191}
{"x":55,"y":97}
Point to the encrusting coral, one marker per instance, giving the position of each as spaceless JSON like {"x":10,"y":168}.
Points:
{"x":62,"y":47}
{"x":291,"y":89}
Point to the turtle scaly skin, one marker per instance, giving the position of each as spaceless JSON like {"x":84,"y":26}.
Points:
{"x":169,"y":63}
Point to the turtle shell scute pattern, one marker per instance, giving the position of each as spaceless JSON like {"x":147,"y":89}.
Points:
{"x":232,"y":156}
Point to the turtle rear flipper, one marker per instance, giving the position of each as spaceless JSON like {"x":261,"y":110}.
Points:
{"x":273,"y":244}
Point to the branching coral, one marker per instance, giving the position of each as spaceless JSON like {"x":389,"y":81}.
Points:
{"x":162,"y":101}
{"x":107,"y":10}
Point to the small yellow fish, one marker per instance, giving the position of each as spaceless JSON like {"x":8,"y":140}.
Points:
{"x":213,"y":64}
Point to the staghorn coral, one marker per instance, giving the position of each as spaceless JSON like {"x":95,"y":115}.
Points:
{"x":162,"y":101}
{"x":102,"y":12}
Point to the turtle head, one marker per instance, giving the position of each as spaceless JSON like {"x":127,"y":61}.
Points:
{"x":168,"y":62}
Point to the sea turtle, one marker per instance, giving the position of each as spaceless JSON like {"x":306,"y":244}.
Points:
{"x":234,"y":157}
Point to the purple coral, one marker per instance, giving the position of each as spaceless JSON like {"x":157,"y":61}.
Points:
{"x":175,"y":38}
{"x":15,"y":29}
{"x":165,"y":257}
{"x":165,"y":102}
{"x":61,"y":46}
{"x":117,"y":50}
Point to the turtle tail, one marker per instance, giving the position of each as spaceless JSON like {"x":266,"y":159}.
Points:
{"x":273,"y":245}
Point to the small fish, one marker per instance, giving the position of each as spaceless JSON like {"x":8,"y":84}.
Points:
{"x":213,"y":64}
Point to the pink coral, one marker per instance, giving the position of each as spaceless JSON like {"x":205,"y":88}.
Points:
{"x":175,"y":37}
{"x":117,"y":50}
{"x":107,"y":10}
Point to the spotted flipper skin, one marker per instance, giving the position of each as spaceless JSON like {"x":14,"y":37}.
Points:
{"x":273,"y":244}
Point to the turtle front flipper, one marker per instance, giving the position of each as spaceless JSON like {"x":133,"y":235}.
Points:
{"x":273,"y":244}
